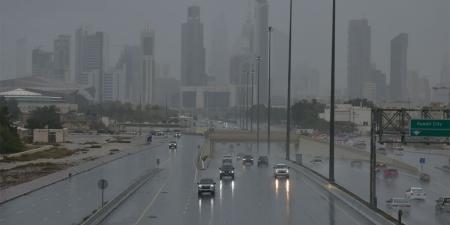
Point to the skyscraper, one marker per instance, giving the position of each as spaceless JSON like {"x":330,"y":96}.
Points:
{"x":42,"y":63}
{"x":90,"y":59}
{"x":219,"y":51}
{"x":147,"y":80}
{"x":22,"y":58}
{"x":399,"y":67}
{"x":358,"y":56}
{"x":261,"y":46}
{"x":62,"y":57}
{"x":192,"y":50}
{"x":130,"y":61}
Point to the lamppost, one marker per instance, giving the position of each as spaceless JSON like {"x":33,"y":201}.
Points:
{"x":333,"y":47}
{"x":268,"y":98}
{"x":258,"y":59}
{"x":288,"y":108}
{"x":246,"y":101}
{"x":253,"y":92}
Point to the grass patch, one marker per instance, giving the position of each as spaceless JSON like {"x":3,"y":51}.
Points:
{"x":95,"y":146}
{"x":90,"y":143}
{"x":53,"y":153}
{"x":24,"y":173}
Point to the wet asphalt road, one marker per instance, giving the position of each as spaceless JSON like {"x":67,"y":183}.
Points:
{"x":69,"y":201}
{"x":254,"y":197}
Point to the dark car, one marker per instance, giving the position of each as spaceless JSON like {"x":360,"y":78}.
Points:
{"x":247,"y":159}
{"x":443,"y":204}
{"x":263,"y":161}
{"x":226,"y":171}
{"x":173,"y":145}
{"x":206,"y":185}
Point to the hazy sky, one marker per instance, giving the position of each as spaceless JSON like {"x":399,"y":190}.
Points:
{"x":424,"y":20}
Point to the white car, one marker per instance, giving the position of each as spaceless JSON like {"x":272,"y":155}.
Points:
{"x":415,"y":193}
{"x":281,"y":170}
{"x":398,"y":203}
{"x":173,"y":145}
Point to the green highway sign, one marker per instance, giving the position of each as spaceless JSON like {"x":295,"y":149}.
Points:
{"x":429,"y":128}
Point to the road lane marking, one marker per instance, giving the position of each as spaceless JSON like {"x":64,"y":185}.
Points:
{"x":155,"y":197}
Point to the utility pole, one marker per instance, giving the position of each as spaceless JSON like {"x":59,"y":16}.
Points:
{"x":258,"y":59}
{"x":246,"y":101}
{"x":268,"y":99}
{"x":253,"y":92}
{"x":288,"y":108}
{"x":333,"y":51}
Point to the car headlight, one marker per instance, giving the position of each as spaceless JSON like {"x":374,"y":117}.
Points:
{"x":232,"y":171}
{"x":287,"y":171}
{"x":212,"y":185}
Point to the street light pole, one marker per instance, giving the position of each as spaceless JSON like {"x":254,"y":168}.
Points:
{"x":253,"y":92}
{"x":246,"y":101}
{"x":288,"y":108}
{"x":268,"y":98}
{"x":258,"y":58}
{"x":333,"y":51}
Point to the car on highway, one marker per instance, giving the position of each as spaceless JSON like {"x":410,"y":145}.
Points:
{"x":239,"y":155}
{"x":247,"y":159}
{"x":316,"y":160}
{"x":177,"y":134}
{"x":227,"y":160}
{"x":263,"y":161}
{"x":206,"y":185}
{"x":281,"y":170}
{"x":416,"y":193}
{"x":173,"y":145}
{"x":390,"y":173}
{"x":398,"y":203}
{"x":226,"y":171}
{"x":356,"y":163}
{"x":443,"y":204}
{"x":380,"y":166}
{"x":425,"y":177}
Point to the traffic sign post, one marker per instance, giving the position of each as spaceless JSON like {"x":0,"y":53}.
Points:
{"x":429,"y":128}
{"x":422,"y":162}
{"x":102,"y":185}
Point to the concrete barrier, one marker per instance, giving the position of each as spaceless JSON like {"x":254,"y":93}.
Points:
{"x":43,"y":148}
{"x":103,"y":212}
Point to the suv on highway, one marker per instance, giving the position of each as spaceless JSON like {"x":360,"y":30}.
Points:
{"x":206,"y":185}
{"x":263,"y":161}
{"x":247,"y":159}
{"x":415,"y":193}
{"x":173,"y":145}
{"x":226,"y":171}
{"x":281,"y":170}
{"x":443,"y":204}
{"x":227,"y":160}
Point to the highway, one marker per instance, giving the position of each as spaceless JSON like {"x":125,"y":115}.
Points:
{"x":356,"y":179}
{"x":69,"y":201}
{"x":254,"y":197}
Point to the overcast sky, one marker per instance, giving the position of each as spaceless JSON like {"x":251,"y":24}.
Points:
{"x":424,"y":20}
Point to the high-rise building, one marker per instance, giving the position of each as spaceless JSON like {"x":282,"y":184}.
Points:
{"x":399,"y":67}
{"x":379,"y":78}
{"x":358,"y":56}
{"x":42,"y":63}
{"x":62,"y":57}
{"x":90,"y":58}
{"x":192,"y":50}
{"x":22,"y":58}
{"x":147,"y":81}
{"x":217,"y":69}
{"x":261,"y":46}
{"x":130,"y":61}
{"x":306,"y":83}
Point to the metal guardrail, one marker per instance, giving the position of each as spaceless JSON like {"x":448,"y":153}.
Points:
{"x":109,"y":207}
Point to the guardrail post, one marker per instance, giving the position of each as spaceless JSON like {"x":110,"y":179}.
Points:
{"x":400,"y":214}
